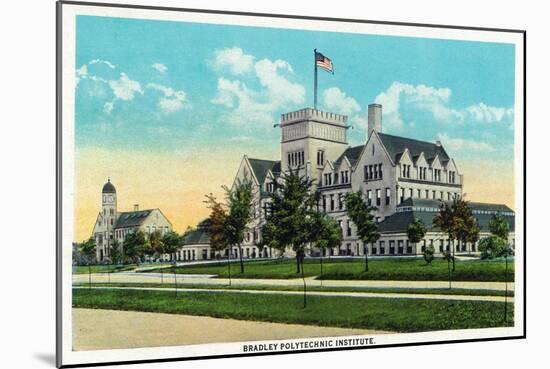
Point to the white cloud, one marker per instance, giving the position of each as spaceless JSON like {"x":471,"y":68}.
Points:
{"x":161,"y":68}
{"x":81,"y":73}
{"x":459,"y":144}
{"x":124,"y":88}
{"x":233,"y":59}
{"x":279,"y":90}
{"x":435,"y":101}
{"x":108,"y":107}
{"x":172,"y":100}
{"x":336,"y":100}
{"x":258,"y":106}
{"x":490,"y":114}
{"x":100,"y":61}
{"x":241,"y":138}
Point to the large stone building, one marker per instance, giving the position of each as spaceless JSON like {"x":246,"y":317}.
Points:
{"x":403,"y":178}
{"x":113,"y":225}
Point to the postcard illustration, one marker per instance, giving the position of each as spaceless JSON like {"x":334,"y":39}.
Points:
{"x":236,"y":184}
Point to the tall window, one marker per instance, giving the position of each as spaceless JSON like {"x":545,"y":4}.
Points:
{"x":388,"y":196}
{"x":402,"y":197}
{"x":378,"y":197}
{"x":373,"y":171}
{"x":369,"y":197}
{"x":349,"y":229}
{"x":320,"y":157}
{"x":405,"y":171}
{"x":331,"y":202}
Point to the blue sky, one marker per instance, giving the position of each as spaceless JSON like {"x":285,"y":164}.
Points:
{"x":165,"y":86}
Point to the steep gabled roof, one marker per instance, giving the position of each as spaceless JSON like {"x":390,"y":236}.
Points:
{"x":132,"y":218}
{"x":352,"y":153}
{"x":260,"y":167}
{"x":396,"y":145}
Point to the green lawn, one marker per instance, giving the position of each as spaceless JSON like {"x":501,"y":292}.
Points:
{"x":398,"y":315}
{"x":353,"y":269}
{"x":423,"y":291}
{"x":103,"y":268}
{"x":108,"y":268}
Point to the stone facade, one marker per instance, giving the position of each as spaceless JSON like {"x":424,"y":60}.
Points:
{"x":387,"y":170}
{"x":113,"y":225}
{"x":394,"y":174}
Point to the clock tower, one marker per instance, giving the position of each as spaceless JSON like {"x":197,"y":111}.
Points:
{"x":109,"y":214}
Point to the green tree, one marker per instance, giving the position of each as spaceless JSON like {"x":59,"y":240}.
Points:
{"x":428,"y":254}
{"x":496,"y":246}
{"x":416,"y":232}
{"x":239,"y":215}
{"x":361,"y":215}
{"x":155,"y":249}
{"x":88,"y":251}
{"x":492,"y":247}
{"x":116,"y":252}
{"x":498,"y":226}
{"x":287,"y":223}
{"x":135,"y":245}
{"x":217,"y":228}
{"x":325,"y":233}
{"x":473,"y":235}
{"x":457,"y":221}
{"x":447,"y":255}
{"x":170,"y":243}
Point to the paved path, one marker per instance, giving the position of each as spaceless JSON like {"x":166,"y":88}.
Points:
{"x":196,"y":279}
{"x":95,"y":329}
{"x":319,"y":293}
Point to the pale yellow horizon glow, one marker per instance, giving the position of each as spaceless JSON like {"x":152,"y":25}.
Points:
{"x":177,"y":182}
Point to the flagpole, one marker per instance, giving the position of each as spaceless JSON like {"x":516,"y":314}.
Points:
{"x":315,"y":79}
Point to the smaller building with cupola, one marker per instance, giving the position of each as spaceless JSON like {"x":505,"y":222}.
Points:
{"x":112,"y":224}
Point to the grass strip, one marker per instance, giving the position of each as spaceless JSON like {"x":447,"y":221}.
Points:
{"x":398,"y":315}
{"x":397,"y":290}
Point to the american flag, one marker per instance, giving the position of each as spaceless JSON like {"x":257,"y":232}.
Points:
{"x":323,"y":62}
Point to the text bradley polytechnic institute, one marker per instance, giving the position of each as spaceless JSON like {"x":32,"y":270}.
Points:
{"x":308,"y":345}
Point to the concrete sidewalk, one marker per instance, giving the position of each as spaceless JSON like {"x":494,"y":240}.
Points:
{"x":318,"y":293}
{"x":95,"y":329}
{"x":201,"y":279}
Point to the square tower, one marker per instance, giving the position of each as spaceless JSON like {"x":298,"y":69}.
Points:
{"x":310,"y":137}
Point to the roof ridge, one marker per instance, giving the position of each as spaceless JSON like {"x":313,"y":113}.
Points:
{"x":409,"y":139}
{"x":273,"y":161}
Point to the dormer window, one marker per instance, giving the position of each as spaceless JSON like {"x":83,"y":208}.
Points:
{"x":452,"y":177}
{"x":437,"y":175}
{"x":405,"y":171}
{"x":422,"y":173}
{"x":344,"y":176}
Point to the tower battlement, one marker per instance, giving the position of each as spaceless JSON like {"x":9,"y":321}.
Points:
{"x":313,"y":114}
